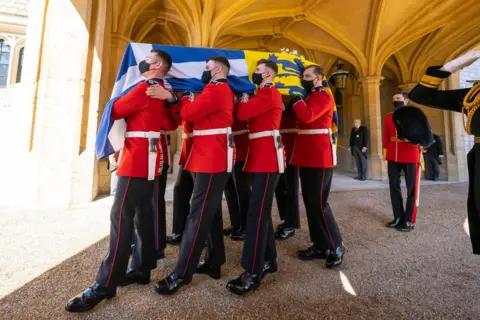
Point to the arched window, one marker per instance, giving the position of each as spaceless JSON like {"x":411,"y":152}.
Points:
{"x":4,"y":62}
{"x":20,"y":65}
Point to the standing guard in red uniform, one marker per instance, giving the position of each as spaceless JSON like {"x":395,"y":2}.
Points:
{"x":401,"y":156}
{"x":237,"y":190}
{"x":211,"y":160}
{"x":140,"y":163}
{"x":315,"y":155}
{"x":265,"y":161}
{"x":184,"y":184}
{"x":288,"y":184}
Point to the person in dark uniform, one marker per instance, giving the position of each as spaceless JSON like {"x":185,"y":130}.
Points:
{"x":211,"y":159}
{"x":140,"y":163}
{"x":466,"y":101}
{"x":287,"y":191}
{"x":265,"y":160}
{"x":315,"y":155}
{"x":401,"y":156}
{"x":358,"y":146}
{"x":183,"y":189}
{"x":237,"y":191}
{"x":433,"y":158}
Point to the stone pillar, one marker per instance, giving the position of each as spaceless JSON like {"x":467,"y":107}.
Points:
{"x":65,"y":99}
{"x":373,"y":120}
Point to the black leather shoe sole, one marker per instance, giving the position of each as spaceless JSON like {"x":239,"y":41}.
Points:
{"x":283,"y":236}
{"x":165,"y":291}
{"x":334,"y":263}
{"x":240,"y":292}
{"x":174,"y":240}
{"x":88,"y":307}
{"x":238,"y":237}
{"x":272,"y":269}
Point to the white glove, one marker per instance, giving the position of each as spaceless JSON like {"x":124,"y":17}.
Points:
{"x":441,"y":156}
{"x":462,"y":62}
{"x":245,"y":97}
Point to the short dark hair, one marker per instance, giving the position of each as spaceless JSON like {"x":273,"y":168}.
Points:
{"x":269,"y":64}
{"x":221,"y":60}
{"x":317,"y":70}
{"x":166,"y":59}
{"x":404,"y":94}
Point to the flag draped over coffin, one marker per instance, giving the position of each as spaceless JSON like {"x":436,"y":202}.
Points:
{"x":185,"y":74}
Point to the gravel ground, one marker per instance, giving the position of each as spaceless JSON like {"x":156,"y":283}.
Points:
{"x":427,"y":274}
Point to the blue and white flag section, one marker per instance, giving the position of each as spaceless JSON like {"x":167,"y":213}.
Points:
{"x":185,"y":75}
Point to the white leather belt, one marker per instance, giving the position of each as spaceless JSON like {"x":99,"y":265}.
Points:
{"x":288,"y":130}
{"x":239,"y":132}
{"x":277,"y":140}
{"x":227,"y":131}
{"x":187,"y":135}
{"x":153,"y":152}
{"x":314,"y":131}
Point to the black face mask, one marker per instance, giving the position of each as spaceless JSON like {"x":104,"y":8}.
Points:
{"x":257,"y":78}
{"x":307,"y":85}
{"x":206,"y":76}
{"x":143,"y":66}
{"x":398,"y":104}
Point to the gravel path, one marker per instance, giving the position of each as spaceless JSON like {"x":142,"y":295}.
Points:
{"x":427,"y":274}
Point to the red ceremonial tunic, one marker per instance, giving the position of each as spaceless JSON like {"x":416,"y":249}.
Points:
{"x":212,"y":109}
{"x":397,"y":150}
{"x":142,"y":113}
{"x":263,"y":112}
{"x":187,"y":130}
{"x":316,"y":112}
{"x":288,"y":123}
{"x":240,"y":137}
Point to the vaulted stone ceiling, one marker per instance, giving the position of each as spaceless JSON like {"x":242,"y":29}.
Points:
{"x":403,"y":36}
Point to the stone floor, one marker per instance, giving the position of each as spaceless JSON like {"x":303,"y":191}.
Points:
{"x":47,"y":257}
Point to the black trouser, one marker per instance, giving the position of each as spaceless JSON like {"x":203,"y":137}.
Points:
{"x":159,"y":210}
{"x":433,"y":166}
{"x":361,"y":161}
{"x":259,"y":245}
{"x":203,"y":223}
{"x":473,"y":203}
{"x":182,"y":193}
{"x":286,"y":194}
{"x":324,"y":231}
{"x":132,"y":206}
{"x":412,"y":179}
{"x":237,"y":194}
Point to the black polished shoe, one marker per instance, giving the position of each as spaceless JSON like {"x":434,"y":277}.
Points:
{"x":280,"y":226}
{"x":406,"y":227}
{"x":212,"y":272}
{"x":335,"y":257}
{"x":357,"y":178}
{"x":228,"y":231}
{"x":268,"y":267}
{"x":284,"y":233}
{"x":160,"y":254}
{"x":311,"y":254}
{"x":171,"y":284}
{"x":174,"y":239}
{"x":362,"y":179}
{"x":89,"y":298}
{"x":394,"y":223}
{"x":245,"y":283}
{"x":238,"y":235}
{"x":134,"y":276}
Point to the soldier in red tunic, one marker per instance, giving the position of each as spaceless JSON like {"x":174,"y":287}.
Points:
{"x":401,"y":156}
{"x":288,"y":184}
{"x":184,"y":184}
{"x":237,"y":190}
{"x":315,"y":155}
{"x":140,"y":163}
{"x":211,"y":159}
{"x":265,"y":161}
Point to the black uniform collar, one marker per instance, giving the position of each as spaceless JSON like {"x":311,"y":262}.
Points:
{"x":318,"y":89}
{"x":153,"y":81}
{"x":220,"y":80}
{"x":266,"y":85}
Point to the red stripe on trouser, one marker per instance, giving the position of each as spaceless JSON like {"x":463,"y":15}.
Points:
{"x":417,"y":194}
{"x":198,"y":226}
{"x":323,"y":213}
{"x":258,"y":225}
{"x":118,"y":234}
{"x":156,"y":226}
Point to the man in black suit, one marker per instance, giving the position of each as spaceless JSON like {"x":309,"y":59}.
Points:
{"x":358,"y":147}
{"x":433,"y":158}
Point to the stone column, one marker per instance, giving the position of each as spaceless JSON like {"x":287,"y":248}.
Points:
{"x":354,"y":103}
{"x":373,"y":120}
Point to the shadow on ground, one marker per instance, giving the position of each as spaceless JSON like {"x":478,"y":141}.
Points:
{"x":427,"y":274}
